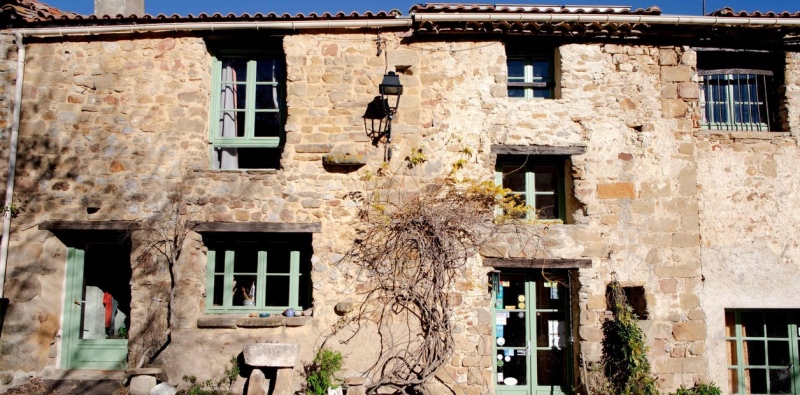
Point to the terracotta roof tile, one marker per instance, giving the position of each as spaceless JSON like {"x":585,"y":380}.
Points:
{"x":32,"y":10}
{"x":729,"y":12}
{"x":532,"y":9}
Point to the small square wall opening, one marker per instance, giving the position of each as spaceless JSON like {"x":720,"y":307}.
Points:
{"x":636,"y":299}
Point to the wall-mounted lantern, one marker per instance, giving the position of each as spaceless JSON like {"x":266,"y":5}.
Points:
{"x":382,"y":109}
{"x":391,"y":87}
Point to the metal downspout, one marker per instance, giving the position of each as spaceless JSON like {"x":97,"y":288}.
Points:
{"x":12,"y":162}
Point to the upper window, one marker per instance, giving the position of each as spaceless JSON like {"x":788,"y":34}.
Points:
{"x":763,"y":351}
{"x":258,"y":272}
{"x":536,"y":180}
{"x":738,"y":91}
{"x":247,"y":110}
{"x":531,"y":77}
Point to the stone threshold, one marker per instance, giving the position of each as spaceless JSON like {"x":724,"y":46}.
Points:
{"x":233,"y":322}
{"x":83,"y":374}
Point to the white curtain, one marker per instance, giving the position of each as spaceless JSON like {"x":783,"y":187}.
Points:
{"x":275,"y":87}
{"x":229,"y":157}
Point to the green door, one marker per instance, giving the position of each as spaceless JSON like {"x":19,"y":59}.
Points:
{"x":532,"y":348}
{"x":97,"y":307}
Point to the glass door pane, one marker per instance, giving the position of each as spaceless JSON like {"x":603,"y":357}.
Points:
{"x":106,"y":301}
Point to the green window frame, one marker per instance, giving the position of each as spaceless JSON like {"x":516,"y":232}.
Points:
{"x":736,"y":99}
{"x":763,"y":351}
{"x":539,"y":180}
{"x":248,"y":109}
{"x":273,"y":269}
{"x":531,"y":77}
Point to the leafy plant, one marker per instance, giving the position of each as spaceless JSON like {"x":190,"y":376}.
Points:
{"x":624,"y":350}
{"x":220,"y":386}
{"x":321,"y":372}
{"x":415,"y":158}
{"x":13,"y":210}
{"x":699,"y":389}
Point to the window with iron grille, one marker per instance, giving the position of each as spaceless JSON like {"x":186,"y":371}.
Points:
{"x":530,"y":77}
{"x":738,"y":91}
{"x":736,"y":99}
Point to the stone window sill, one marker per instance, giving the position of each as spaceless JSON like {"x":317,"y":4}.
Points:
{"x":536,"y":222}
{"x":237,"y":171}
{"x":738,"y":135}
{"x":238,"y":321}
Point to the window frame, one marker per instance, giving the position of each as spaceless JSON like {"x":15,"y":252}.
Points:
{"x":249,"y":140}
{"x":764,"y":85}
{"x":738,"y":339}
{"x":527,"y":163}
{"x":529,"y":82}
{"x":299,"y":272}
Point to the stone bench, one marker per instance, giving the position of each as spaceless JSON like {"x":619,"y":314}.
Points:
{"x":280,"y":356}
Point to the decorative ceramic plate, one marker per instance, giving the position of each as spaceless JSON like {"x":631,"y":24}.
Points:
{"x":510,"y":381}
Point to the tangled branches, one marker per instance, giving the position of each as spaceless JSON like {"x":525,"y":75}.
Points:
{"x":410,"y":257}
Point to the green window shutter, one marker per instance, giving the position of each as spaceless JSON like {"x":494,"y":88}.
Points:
{"x":74,"y":284}
{"x":294,"y":279}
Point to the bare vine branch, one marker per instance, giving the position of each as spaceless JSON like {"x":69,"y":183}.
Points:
{"x":413,"y":248}
{"x":161,"y":239}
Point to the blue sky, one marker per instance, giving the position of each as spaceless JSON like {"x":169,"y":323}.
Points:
{"x":184,"y":7}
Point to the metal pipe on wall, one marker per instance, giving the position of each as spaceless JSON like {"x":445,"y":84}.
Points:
{"x":12,"y":163}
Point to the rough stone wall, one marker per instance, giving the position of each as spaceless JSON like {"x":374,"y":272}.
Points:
{"x":120,"y":124}
{"x":637,"y":214}
{"x":792,"y":92}
{"x":749,"y":223}
{"x":100,"y":126}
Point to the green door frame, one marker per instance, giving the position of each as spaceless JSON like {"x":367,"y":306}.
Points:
{"x":77,"y":353}
{"x":531,"y":312}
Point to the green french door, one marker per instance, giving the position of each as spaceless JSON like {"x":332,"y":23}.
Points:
{"x":97,"y":307}
{"x":531,"y":332}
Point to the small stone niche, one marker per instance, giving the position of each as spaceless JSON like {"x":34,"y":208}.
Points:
{"x":636,"y":298}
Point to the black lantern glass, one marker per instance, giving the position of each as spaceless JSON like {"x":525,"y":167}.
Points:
{"x":391,"y":86}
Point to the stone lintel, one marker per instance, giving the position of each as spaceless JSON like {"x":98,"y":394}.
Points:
{"x":257,"y":227}
{"x":88,"y":225}
{"x":538,"y":263}
{"x":503,"y":149}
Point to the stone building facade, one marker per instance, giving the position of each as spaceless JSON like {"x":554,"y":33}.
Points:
{"x":694,"y":215}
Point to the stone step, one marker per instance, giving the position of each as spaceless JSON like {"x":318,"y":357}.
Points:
{"x":83,"y":387}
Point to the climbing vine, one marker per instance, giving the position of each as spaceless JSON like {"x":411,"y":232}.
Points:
{"x":625,"y":366}
{"x":412,"y":249}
